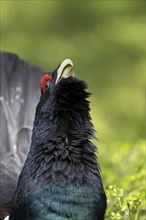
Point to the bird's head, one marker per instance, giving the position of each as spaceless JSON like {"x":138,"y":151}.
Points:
{"x":63,"y":96}
{"x":63,"y":71}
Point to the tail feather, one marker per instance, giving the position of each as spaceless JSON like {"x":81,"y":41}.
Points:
{"x":19,"y":94}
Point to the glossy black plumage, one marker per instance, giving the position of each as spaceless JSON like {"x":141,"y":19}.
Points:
{"x":61,"y":151}
{"x":61,"y":154}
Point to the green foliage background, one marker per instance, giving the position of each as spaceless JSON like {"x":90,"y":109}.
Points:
{"x":106,"y":41}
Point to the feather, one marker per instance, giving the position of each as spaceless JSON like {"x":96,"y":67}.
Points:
{"x":61,"y":177}
{"x":19,"y":86}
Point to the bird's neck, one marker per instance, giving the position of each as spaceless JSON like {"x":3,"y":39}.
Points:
{"x":66,"y":113}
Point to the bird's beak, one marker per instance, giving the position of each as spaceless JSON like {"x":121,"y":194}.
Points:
{"x":65,"y":70}
{"x":6,"y":218}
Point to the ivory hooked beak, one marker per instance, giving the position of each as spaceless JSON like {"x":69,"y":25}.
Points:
{"x":65,"y":70}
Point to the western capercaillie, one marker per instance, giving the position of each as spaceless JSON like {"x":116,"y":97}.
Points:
{"x":61,"y":178}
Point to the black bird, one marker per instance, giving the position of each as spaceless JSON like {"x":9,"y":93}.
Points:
{"x":61,"y":178}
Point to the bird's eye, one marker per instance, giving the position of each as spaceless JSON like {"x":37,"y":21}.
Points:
{"x":45,"y":82}
{"x":47,"y":85}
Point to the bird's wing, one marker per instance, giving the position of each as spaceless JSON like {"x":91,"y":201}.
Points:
{"x":19,"y":94}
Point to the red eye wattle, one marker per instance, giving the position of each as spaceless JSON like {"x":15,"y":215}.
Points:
{"x":46,"y":78}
